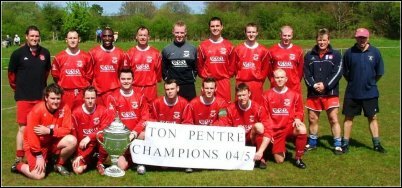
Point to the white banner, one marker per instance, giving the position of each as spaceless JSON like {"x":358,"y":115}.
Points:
{"x":193,"y":146}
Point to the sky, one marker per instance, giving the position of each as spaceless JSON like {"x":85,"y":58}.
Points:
{"x":112,"y":7}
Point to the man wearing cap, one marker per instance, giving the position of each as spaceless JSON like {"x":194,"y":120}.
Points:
{"x":363,"y":67}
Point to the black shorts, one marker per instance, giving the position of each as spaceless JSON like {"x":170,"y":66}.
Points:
{"x":353,"y":107}
{"x":187,"y":91}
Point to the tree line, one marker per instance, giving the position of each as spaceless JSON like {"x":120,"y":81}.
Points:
{"x":341,"y":18}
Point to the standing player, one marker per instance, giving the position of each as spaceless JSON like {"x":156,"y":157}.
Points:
{"x":289,"y":57}
{"x":251,"y":60}
{"x":48,"y":133}
{"x":284,"y":108}
{"x":108,"y":60}
{"x":28,"y":71}
{"x":322,"y":72}
{"x":253,"y":118}
{"x":215,"y":59}
{"x":179,"y":62}
{"x":206,"y":108}
{"x":72,"y":70}
{"x":171,"y":108}
{"x":363,"y":67}
{"x":145,"y":62}
{"x":88,"y":119}
{"x":132,"y":109}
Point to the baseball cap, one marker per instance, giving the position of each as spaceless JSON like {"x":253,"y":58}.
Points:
{"x":362,"y":32}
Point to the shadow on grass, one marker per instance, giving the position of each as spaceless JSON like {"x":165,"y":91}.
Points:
{"x":327,"y":142}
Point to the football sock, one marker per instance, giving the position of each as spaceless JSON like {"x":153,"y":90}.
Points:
{"x":301,"y":141}
{"x":312,"y":141}
{"x":345,"y":142}
{"x":376,"y":141}
{"x":337,"y":142}
{"x":19,"y":166}
{"x":20,"y":153}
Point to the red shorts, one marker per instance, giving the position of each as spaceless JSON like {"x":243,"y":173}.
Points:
{"x":23,"y":109}
{"x":102,"y":98}
{"x":322,"y":103}
{"x":88,"y":152}
{"x":256,"y":89}
{"x":150,"y":92}
{"x":223,"y":89}
{"x":73,"y":97}
{"x":46,"y":153}
{"x":280,"y":137}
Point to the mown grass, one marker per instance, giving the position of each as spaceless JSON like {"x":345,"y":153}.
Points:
{"x":361,"y":167}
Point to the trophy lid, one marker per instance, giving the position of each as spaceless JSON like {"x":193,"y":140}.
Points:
{"x":117,"y":127}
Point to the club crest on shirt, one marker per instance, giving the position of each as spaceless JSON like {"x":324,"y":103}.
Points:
{"x":176,"y":115}
{"x":114,"y":60}
{"x":149,"y":59}
{"x":223,"y":51}
{"x":212,"y":113}
{"x":286,"y":102}
{"x":79,"y":63}
{"x":61,"y":113}
{"x":42,"y":57}
{"x":96,"y":121}
{"x":292,"y":56}
{"x":134,"y":105}
{"x":251,"y":119}
{"x":255,"y":57}
{"x":186,"y":53}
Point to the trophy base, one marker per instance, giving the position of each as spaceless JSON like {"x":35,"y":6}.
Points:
{"x":114,"y":171}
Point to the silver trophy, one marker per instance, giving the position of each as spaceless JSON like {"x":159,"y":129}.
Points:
{"x":115,"y":141}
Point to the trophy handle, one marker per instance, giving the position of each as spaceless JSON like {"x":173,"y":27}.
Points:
{"x":97,"y":138}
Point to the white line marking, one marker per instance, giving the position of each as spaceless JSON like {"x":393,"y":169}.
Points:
{"x":8,"y":108}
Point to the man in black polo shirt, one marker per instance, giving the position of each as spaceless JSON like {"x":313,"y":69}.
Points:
{"x":28,"y":70}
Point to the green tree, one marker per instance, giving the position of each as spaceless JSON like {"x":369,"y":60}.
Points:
{"x":17,"y":16}
{"x":78,"y":17}
{"x":145,"y":8}
{"x":53,"y":16}
{"x":97,"y":9}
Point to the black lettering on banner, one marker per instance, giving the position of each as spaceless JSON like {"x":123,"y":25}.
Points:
{"x":157,"y":152}
{"x":181,"y":151}
{"x":197,"y":152}
{"x":147,"y":149}
{"x":237,"y":155}
{"x":162,"y":133}
{"x":215,"y":153}
{"x":134,"y":148}
{"x":167,"y":152}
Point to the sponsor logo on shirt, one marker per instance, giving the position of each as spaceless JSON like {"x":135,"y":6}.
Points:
{"x":128,"y":115}
{"x":251,"y":119}
{"x":61,"y":113}
{"x":89,"y":131}
{"x":371,"y":57}
{"x":280,"y":111}
{"x":142,"y":67}
{"x":285,"y":64}
{"x":73,"y":72}
{"x":204,"y":121}
{"x":186,"y":53}
{"x":248,"y":65}
{"x":179,"y":63}
{"x":212,"y":113}
{"x":107,"y":68}
{"x":217,"y":59}
{"x":247,"y":128}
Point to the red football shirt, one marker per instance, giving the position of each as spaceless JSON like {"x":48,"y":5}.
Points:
{"x":87,"y":123}
{"x":72,"y":71}
{"x":132,"y":109}
{"x":60,"y":121}
{"x":289,"y":59}
{"x":283,"y":107}
{"x":203,"y":113}
{"x":146,"y":65}
{"x":251,"y":62}
{"x":107,"y":64}
{"x":170,"y":113}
